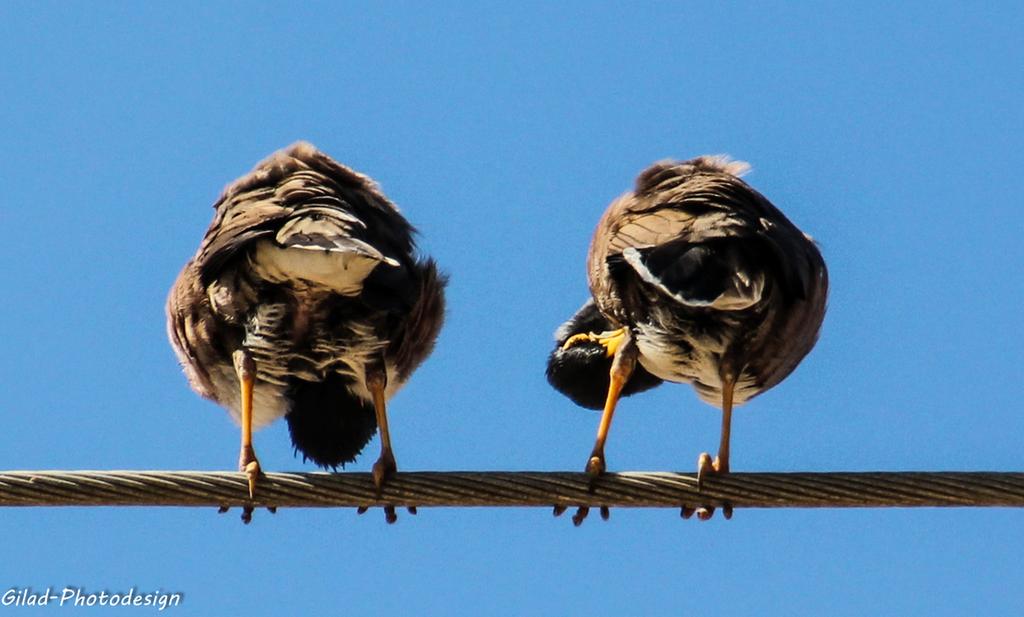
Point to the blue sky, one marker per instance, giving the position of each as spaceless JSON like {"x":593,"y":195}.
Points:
{"x":892,"y":134}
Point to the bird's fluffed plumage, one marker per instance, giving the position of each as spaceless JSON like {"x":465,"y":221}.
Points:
{"x":309,"y":268}
{"x":695,"y":278}
{"x":711,"y":279}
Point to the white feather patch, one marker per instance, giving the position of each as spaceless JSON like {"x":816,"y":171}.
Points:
{"x":745,"y":292}
{"x":340,"y":271}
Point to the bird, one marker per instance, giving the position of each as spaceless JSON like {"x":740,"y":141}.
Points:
{"x":695,"y":277}
{"x":307,"y":300}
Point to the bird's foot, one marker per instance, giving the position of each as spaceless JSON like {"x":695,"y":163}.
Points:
{"x":390,"y":515}
{"x":580,"y":516}
{"x":705,"y":466}
{"x":250,"y":466}
{"x":595,"y":469}
{"x":705,"y":513}
{"x":246,"y":512}
{"x":581,"y":513}
{"x":611,"y":341}
{"x":383,"y":470}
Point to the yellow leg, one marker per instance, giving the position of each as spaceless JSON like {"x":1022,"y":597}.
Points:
{"x":624,"y":361}
{"x":720,"y":464}
{"x":623,"y":352}
{"x":620,"y":347}
{"x":385,"y":465}
{"x":245,"y":368}
{"x":722,"y":460}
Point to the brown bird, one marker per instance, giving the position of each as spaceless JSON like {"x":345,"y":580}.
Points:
{"x":696,"y":278}
{"x":306,"y":300}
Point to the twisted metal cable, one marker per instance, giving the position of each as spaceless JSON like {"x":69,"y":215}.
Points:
{"x":508,"y":489}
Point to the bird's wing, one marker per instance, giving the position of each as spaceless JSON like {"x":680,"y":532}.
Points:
{"x":711,"y":241}
{"x":690,"y":251}
{"x":301,"y":216}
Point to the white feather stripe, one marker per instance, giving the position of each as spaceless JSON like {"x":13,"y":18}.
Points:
{"x":745,"y":292}
{"x":341,"y":272}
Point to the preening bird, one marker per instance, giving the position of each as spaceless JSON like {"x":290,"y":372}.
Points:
{"x":695,"y":278}
{"x":306,"y":300}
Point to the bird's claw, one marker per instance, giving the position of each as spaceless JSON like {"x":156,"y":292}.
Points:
{"x":383,"y":469}
{"x":581,"y":513}
{"x":706,"y":466}
{"x":580,"y":516}
{"x":705,"y":513}
{"x":390,"y":514}
{"x":246,"y":512}
{"x":595,"y":469}
{"x":252,"y":472}
{"x":250,"y":466}
{"x":595,"y":466}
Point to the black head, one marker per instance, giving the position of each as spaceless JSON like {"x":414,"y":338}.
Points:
{"x":328,"y":424}
{"x":582,"y":372}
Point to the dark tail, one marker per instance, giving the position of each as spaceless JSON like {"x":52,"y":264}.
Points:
{"x":328,"y":424}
